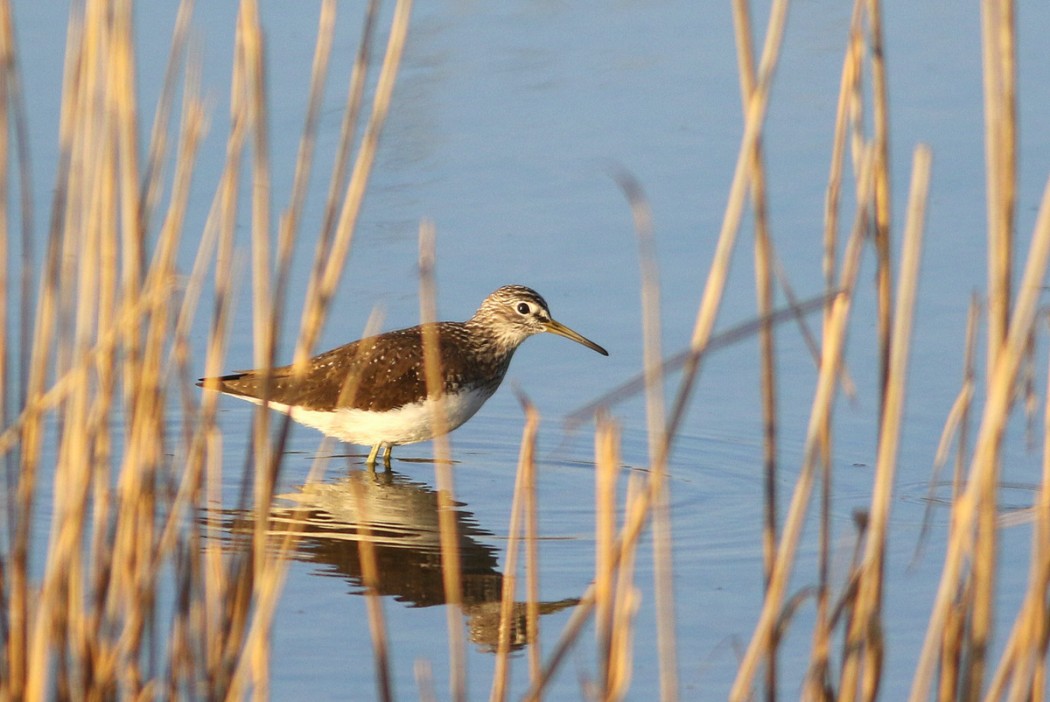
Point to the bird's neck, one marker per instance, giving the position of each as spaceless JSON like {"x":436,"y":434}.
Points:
{"x":492,"y":340}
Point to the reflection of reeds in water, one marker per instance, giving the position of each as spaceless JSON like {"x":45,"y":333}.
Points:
{"x":123,"y":601}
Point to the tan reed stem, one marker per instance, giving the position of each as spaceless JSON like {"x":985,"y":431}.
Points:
{"x":763,"y":263}
{"x":224,"y":601}
{"x":796,"y":309}
{"x":626,"y":599}
{"x":824,"y":396}
{"x":1000,"y":144}
{"x":865,"y":644}
{"x":347,"y":132}
{"x":40,"y":358}
{"x":158,"y":141}
{"x":957,"y":426}
{"x":532,"y":555}
{"x":328,"y":273}
{"x":373,"y":601}
{"x":290,"y":220}
{"x":501,"y":673}
{"x":849,"y":90}
{"x":883,"y":220}
{"x":719,"y":271}
{"x":250,"y":51}
{"x":999,"y":72}
{"x":1023,"y":661}
{"x":663,"y":572}
{"x":607,"y":468}
{"x":450,"y":557}
{"x":979,"y":494}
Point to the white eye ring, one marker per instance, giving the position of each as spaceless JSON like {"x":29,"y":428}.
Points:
{"x":524,"y":308}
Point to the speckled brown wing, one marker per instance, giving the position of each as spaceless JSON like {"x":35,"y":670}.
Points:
{"x":379,"y":373}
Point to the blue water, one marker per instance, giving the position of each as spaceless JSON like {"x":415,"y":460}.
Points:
{"x":506,"y":122}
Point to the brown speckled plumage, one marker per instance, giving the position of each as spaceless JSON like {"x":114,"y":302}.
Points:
{"x":378,"y":373}
{"x":383,"y":373}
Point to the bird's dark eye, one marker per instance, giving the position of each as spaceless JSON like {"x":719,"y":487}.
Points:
{"x":523,"y":308}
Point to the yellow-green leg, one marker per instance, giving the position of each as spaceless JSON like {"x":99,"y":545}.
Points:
{"x":371,"y":460}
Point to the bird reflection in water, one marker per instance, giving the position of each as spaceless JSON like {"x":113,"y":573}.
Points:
{"x":326,"y":520}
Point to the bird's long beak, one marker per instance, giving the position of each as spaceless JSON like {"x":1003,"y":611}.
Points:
{"x":561,"y":330}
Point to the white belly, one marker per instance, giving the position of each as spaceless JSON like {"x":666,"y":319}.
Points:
{"x":404,"y":425}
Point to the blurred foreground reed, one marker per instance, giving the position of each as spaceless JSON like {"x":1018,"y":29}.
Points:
{"x":132,"y":596}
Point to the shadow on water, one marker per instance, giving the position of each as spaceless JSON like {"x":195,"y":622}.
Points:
{"x":326,"y":520}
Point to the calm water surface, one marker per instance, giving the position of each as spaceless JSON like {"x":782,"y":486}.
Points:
{"x":505,"y":124}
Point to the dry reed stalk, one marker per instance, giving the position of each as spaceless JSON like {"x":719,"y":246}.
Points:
{"x":956,"y":426}
{"x":255,"y":568}
{"x":224,"y":615}
{"x":450,"y":557}
{"x":347,"y":132}
{"x":526,"y":458}
{"x":337,"y":181}
{"x":882,"y":222}
{"x":868,"y":168}
{"x":250,"y":52}
{"x":849,"y":388}
{"x":626,"y":600}
{"x":607,"y":468}
{"x":849,"y":86}
{"x":796,"y":309}
{"x":206,"y":448}
{"x":330,"y":260}
{"x":31,"y":427}
{"x":292,"y":216}
{"x":162,"y":272}
{"x":755,"y":114}
{"x":351,"y":116}
{"x":373,"y":602}
{"x":7,"y":70}
{"x":824,"y":396}
{"x":269,"y":566}
{"x":656,"y":426}
{"x":12,"y":105}
{"x":532,"y":564}
{"x":865,"y":644}
{"x":966,"y":395}
{"x":12,"y":111}
{"x":763,"y":264}
{"x":999,"y":71}
{"x":636,"y":517}
{"x":969,"y":515}
{"x":1022,"y":664}
{"x":290,"y":219}
{"x":51,"y":618}
{"x":157,"y":149}
{"x":61,"y":583}
{"x":158,"y":281}
{"x":956,"y":617}
{"x":716,"y":278}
